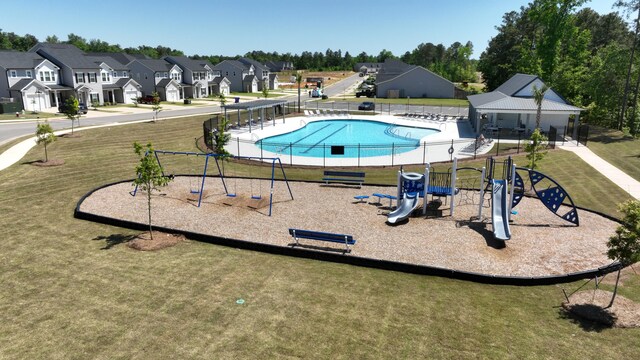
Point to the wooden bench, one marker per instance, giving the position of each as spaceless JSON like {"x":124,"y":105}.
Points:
{"x":322,"y":236}
{"x":343,"y":177}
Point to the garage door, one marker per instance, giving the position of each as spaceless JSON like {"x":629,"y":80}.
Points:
{"x":130,"y":95}
{"x":35,"y":102}
{"x":172,"y":95}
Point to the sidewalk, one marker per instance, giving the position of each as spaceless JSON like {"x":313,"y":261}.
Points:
{"x":620,"y":178}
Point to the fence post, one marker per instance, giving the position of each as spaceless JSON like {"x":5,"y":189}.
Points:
{"x":498,"y":144}
{"x":290,"y":154}
{"x":324,"y":155}
{"x":519,"y":137}
{"x":238,"y":142}
{"x":475,"y":147}
{"x":393,"y":150}
{"x":424,"y":153}
{"x":358,"y":154}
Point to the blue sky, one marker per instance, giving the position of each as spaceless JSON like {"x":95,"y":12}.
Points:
{"x":232,"y":27}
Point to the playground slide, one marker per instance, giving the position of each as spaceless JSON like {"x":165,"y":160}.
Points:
{"x":409,"y":203}
{"x":499,"y":208}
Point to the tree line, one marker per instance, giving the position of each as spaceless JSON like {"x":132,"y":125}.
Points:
{"x":590,"y":59}
{"x":450,"y":62}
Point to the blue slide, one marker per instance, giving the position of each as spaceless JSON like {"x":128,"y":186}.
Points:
{"x":409,"y":203}
{"x":499,"y":208}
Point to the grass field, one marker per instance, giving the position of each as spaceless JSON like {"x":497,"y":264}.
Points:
{"x":72,"y":289}
{"x":621,"y":151}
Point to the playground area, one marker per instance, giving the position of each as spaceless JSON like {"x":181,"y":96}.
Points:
{"x":541,"y":243}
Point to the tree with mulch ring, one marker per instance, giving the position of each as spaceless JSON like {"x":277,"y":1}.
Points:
{"x":155,"y":240}
{"x":45,"y":135}
{"x":624,"y":247}
{"x":149,"y":176}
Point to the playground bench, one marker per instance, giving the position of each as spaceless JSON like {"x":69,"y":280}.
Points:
{"x":343,"y":177}
{"x":322,"y":236}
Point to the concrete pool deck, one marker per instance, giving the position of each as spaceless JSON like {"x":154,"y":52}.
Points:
{"x":433,"y":148}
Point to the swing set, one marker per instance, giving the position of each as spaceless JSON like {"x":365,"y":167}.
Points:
{"x":255,"y":195}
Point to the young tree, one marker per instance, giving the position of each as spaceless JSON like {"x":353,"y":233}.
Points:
{"x":45,"y":135}
{"x":298,"y":81}
{"x":265,"y":88}
{"x":149,"y":175}
{"x":155,"y":105}
{"x":536,"y":148}
{"x":221,"y":137}
{"x":538,"y":97}
{"x":222,"y":99}
{"x":72,"y":110}
{"x":624,"y":246}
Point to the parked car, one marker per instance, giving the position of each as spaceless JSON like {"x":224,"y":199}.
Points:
{"x":145,"y":99}
{"x":365,"y":92}
{"x":82,"y":108}
{"x":367,"y":105}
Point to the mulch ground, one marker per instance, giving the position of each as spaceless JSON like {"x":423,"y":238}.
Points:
{"x":160,"y":241}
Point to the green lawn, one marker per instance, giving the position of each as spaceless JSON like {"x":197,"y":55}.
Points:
{"x":70,"y":289}
{"x":29,"y":116}
{"x":616,"y":148}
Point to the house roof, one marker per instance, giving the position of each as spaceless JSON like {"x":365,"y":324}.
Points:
{"x":234,"y":63}
{"x":121,"y":83}
{"x":272,"y":76}
{"x":65,"y":54}
{"x":485,"y":98}
{"x":156,"y":65}
{"x":249,"y":78}
{"x":515,"y":84}
{"x":185,"y":62}
{"x":164,"y":82}
{"x":512,"y":103}
{"x":218,"y":79}
{"x":502,"y":99}
{"x":257,"y":65}
{"x":21,"y":84}
{"x":391,"y":69}
{"x":111,"y":62}
{"x":19,"y":60}
{"x":122,"y":58}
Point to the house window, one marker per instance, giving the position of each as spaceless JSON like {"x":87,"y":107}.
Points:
{"x":114,"y":74}
{"x":227,"y":73}
{"x":93,"y":78}
{"x":79,"y":77}
{"x":124,"y":74}
{"x":94,"y":97}
{"x":166,"y":75}
{"x":29,"y":74}
{"x":14,"y":73}
{"x":106,"y":77}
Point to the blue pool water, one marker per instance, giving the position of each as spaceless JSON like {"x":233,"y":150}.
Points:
{"x":346,"y":138}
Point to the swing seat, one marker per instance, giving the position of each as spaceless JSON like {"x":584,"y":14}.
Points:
{"x":256,"y":197}
{"x":231,"y":195}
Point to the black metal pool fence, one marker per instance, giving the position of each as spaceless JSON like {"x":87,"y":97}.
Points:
{"x":357,"y":154}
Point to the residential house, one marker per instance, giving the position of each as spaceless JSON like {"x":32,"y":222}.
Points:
{"x":31,"y":80}
{"x":367,"y":68}
{"x":196,"y":75}
{"x":117,"y":86}
{"x":261,"y":72}
{"x":279,"y":66}
{"x":241,"y":76}
{"x":79,"y":75}
{"x":512,"y":106}
{"x":274,"y":83}
{"x":396,"y":79}
{"x":159,"y":76}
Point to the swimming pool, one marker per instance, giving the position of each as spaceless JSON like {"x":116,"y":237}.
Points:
{"x":346,"y":139}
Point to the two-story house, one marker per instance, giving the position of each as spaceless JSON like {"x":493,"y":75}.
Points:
{"x":160,"y":76}
{"x":194,"y":75}
{"x":261,"y":72}
{"x":76,"y":71}
{"x":31,"y":80}
{"x":241,"y":77}
{"x":117,"y":86}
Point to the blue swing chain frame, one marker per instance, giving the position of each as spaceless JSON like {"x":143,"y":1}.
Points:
{"x":221,"y":175}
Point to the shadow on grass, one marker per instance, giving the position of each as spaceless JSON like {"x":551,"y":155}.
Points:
{"x":114,"y":239}
{"x":589,"y":317}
